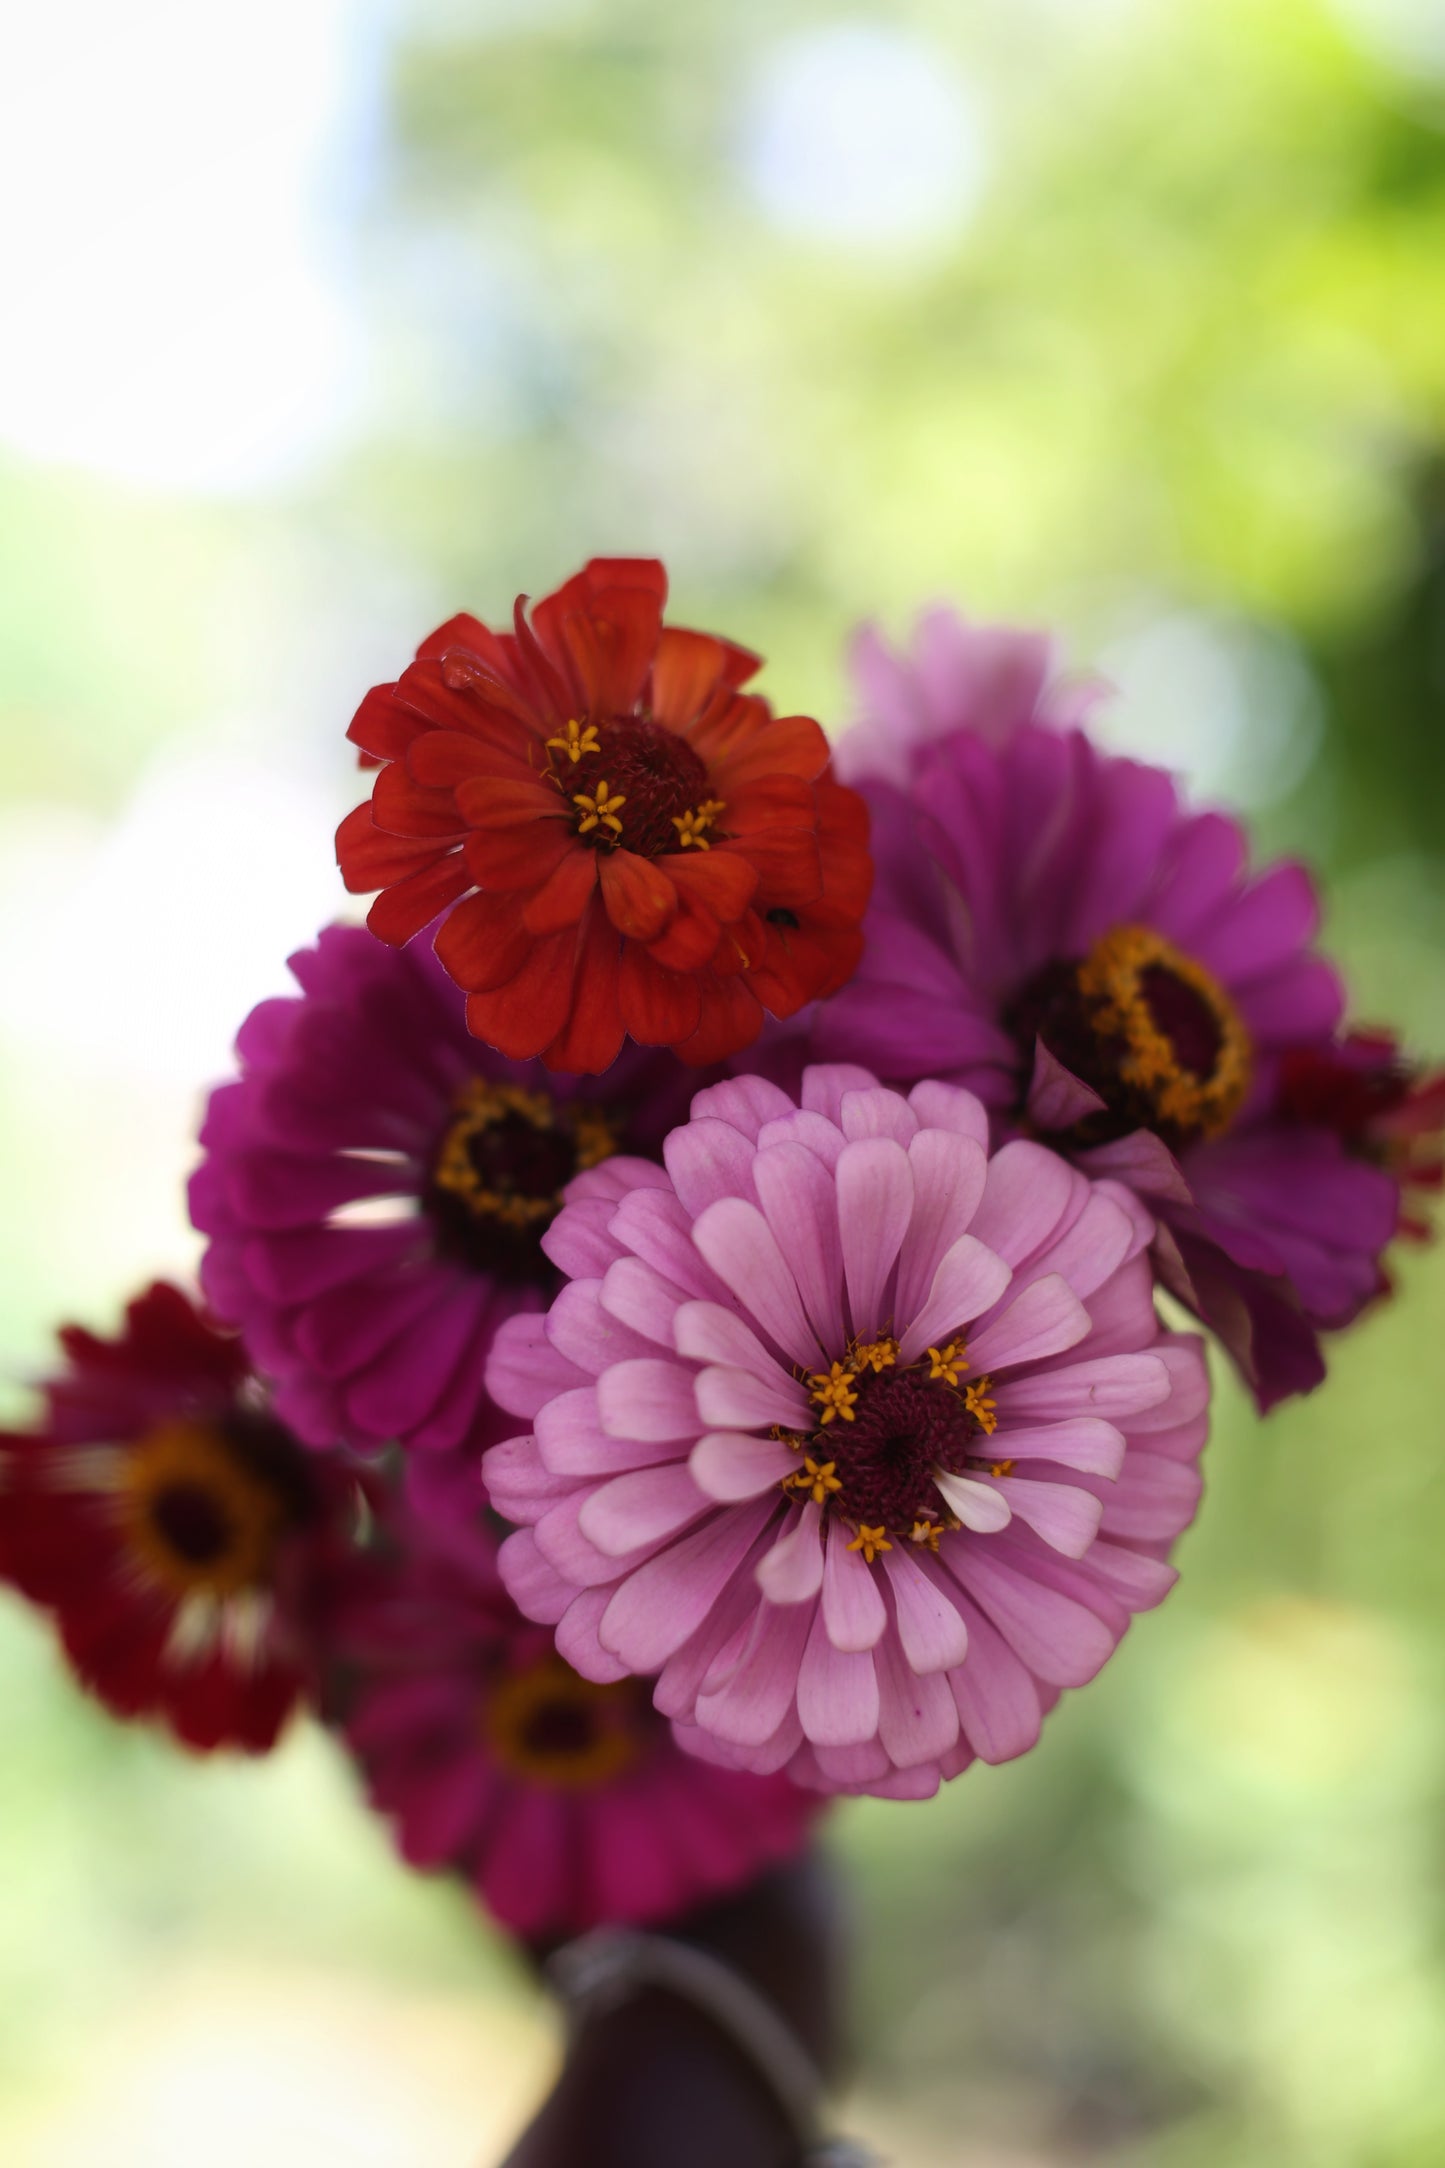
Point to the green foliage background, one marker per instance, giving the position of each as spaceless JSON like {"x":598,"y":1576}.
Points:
{"x":1183,"y":366}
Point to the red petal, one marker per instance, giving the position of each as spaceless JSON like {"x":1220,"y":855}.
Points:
{"x":500,"y":801}
{"x":464,"y":630}
{"x":769,"y":801}
{"x":483,"y":943}
{"x":688,"y":670}
{"x":562,"y":898}
{"x":444,"y":758}
{"x":722,"y":881}
{"x":368,"y":858}
{"x":731,"y":1019}
{"x":659,"y":1007}
{"x":790,"y":866}
{"x":641,"y":901}
{"x":382,"y":726}
{"x":611,"y":645}
{"x":793,"y":745}
{"x":522,"y":1017}
{"x":522,"y":857}
{"x":689,"y":942}
{"x":591,"y":1038}
{"x":405,"y":808}
{"x":403,"y":909}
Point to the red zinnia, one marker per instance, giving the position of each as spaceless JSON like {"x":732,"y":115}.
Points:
{"x":621,"y":839}
{"x":168,"y":1521}
{"x":1385,"y":1108}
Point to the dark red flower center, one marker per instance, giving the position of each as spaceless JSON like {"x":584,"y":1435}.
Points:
{"x":635,"y":784}
{"x":883,"y":1436}
{"x":551,"y":1727}
{"x":500,"y":1171}
{"x":1148,"y":1028}
{"x":193,"y":1521}
{"x":204,"y":1505}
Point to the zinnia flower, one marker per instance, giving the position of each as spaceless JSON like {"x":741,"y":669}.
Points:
{"x":621,"y":840}
{"x":865,"y":1443}
{"x":377,"y":1187}
{"x":170,"y":1523}
{"x":1055,"y":929}
{"x":1385,"y":1108}
{"x":564,"y":1801}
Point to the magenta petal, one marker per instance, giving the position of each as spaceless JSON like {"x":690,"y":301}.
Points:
{"x":1261,"y":927}
{"x":875,"y":1204}
{"x":837,"y":1690}
{"x":1056,"y":1097}
{"x":853,"y":1608}
{"x":1142,"y":1160}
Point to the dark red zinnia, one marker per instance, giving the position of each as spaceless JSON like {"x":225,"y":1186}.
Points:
{"x":166,"y":1519}
{"x":623,"y":842}
{"x":1385,"y":1108}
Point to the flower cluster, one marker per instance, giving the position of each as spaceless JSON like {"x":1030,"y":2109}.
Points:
{"x":625,"y":1421}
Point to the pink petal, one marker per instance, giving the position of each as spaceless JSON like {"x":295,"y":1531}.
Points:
{"x":799,"y":1200}
{"x":850,"y":1766}
{"x":978,"y":1505}
{"x":1080,"y":1441}
{"x":572,"y":1442}
{"x":1138,"y":1580}
{"x":970,"y":1278}
{"x":738,"y":1400}
{"x":1062,"y":1641}
{"x":648,"y":1399}
{"x":877,"y":1112}
{"x":1100,"y":1241}
{"x":738,"y":1243}
{"x":995,"y":1694}
{"x":524,"y":1370}
{"x":826,"y":1082}
{"x":729,"y":1466}
{"x":1141,"y":1160}
{"x":707,"y":1333}
{"x":656,"y":1608}
{"x":589,"y":1336}
{"x":576,"y":1557}
{"x":656,"y":1227}
{"x":708,"y":1160}
{"x":1056,"y":1097}
{"x":644,"y":1507}
{"x":759,"y":1695}
{"x":1066,"y":1517}
{"x":577,"y":1642}
{"x":792,"y":1571}
{"x":580,"y":1241}
{"x":948,"y":1178}
{"x":534,"y":1585}
{"x":949,"y":1106}
{"x":746,"y":1102}
{"x":824,"y":1139}
{"x":837,"y":1690}
{"x":1029,"y":1190}
{"x":1046,"y":1319}
{"x":875,"y":1204}
{"x":917,"y":1716}
{"x":930,"y":1628}
{"x":640,"y":1298}
{"x":1115,"y":1387}
{"x":514,"y":1472}
{"x":1155,"y":1501}
{"x":853,"y":1608}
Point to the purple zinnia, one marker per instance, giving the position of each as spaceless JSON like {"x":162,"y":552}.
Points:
{"x":377,"y":1185}
{"x":865,"y":1443}
{"x":1055,"y":929}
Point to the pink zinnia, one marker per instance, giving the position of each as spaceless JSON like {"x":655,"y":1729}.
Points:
{"x":564,"y":1801}
{"x":865,"y":1443}
{"x":1055,"y":929}
{"x":377,"y":1185}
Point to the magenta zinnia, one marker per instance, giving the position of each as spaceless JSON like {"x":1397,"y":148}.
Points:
{"x":1055,"y":929}
{"x":865,"y":1442}
{"x":377,"y":1186}
{"x":565,"y":1802}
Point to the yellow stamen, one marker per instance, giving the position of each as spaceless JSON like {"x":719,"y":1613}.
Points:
{"x":479,"y":1105}
{"x":870,"y":1541}
{"x":945,"y":1362}
{"x":597,"y":807}
{"x":690,"y":826}
{"x":980,"y":1406}
{"x":576,"y":741}
{"x":818,"y":1478}
{"x":1002,"y":1467}
{"x":925,"y":1532}
{"x":875,"y":1355}
{"x":832,"y":1391}
{"x":553,"y":1728}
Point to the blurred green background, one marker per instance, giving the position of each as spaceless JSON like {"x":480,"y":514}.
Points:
{"x":325,"y":320}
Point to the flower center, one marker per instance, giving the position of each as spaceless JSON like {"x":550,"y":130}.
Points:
{"x":1150,"y":1029}
{"x":886,"y":1436}
{"x":635,"y":783}
{"x":551,"y":1727}
{"x":204,"y":1506}
{"x":497,"y":1181}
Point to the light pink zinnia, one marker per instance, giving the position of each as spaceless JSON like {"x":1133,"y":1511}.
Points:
{"x":865,"y":1442}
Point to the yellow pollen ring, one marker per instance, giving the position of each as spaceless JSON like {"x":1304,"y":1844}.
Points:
{"x":834,"y":1392}
{"x":1111,"y":978}
{"x":945,"y":1362}
{"x":691,"y":826}
{"x":870,"y":1541}
{"x":874,"y":1355}
{"x":479,"y":1106}
{"x":817,"y":1479}
{"x":516,"y":1714}
{"x":194,"y":1461}
{"x":976,"y":1398}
